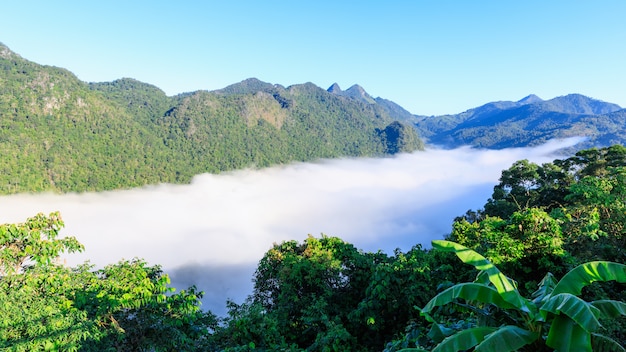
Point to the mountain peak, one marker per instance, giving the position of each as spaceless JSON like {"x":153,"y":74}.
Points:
{"x":250,"y":85}
{"x":530,"y":99}
{"x":334,"y":89}
{"x":357,"y":92}
{"x":356,"y":88}
{"x":6,"y":53}
{"x":580,"y":104}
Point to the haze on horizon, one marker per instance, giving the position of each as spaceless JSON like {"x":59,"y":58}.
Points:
{"x":432,"y":58}
{"x":213,"y":232}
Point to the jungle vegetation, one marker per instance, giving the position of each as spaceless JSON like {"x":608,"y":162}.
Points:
{"x":541,"y":269}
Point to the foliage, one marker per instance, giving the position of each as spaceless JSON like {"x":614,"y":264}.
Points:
{"x":126,"y":306}
{"x":33,"y":243}
{"x":527,"y":185}
{"x":248,"y":327}
{"x":324,"y":294}
{"x":311,"y":288}
{"x":506,"y":321}
{"x":528,"y":242}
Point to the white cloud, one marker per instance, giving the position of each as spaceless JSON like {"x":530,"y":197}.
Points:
{"x":225,"y":223}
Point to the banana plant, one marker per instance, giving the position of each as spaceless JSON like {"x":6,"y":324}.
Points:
{"x":554,"y":318}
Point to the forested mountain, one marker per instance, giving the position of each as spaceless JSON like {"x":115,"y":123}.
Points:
{"x":529,"y":121}
{"x":58,"y":133}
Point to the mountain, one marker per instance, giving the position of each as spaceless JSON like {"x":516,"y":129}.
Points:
{"x":529,"y":121}
{"x":530,"y":99}
{"x":60,"y":134}
{"x":355,"y":92}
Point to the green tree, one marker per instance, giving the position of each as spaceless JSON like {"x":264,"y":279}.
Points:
{"x":127,"y":306}
{"x":596,"y":217}
{"x":311,"y":288}
{"x":399,"y":281}
{"x":529,"y":241}
{"x":527,"y":185}
{"x":35,"y":243}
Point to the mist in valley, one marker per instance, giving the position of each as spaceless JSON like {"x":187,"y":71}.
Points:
{"x":213,"y":232}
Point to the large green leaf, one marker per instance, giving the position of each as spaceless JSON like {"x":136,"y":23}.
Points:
{"x":546,"y":286}
{"x":503,"y":284}
{"x":470,"y":292}
{"x":581,"y":312}
{"x":438,"y":332}
{"x":507,"y":338}
{"x":601,"y":343}
{"x":588,"y":273}
{"x":464,"y":340}
{"x":609,"y":308}
{"x":567,"y":336}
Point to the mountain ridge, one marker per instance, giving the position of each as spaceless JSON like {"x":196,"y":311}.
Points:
{"x":60,"y":134}
{"x":529,"y":121}
{"x":72,"y":128}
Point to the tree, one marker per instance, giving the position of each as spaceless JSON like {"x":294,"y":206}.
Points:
{"x":517,"y":190}
{"x":34,"y":243}
{"x":311,"y":289}
{"x":596,"y":217}
{"x":527,"y":185}
{"x":402,"y":280}
{"x":529,"y":241}
{"x":127,"y":306}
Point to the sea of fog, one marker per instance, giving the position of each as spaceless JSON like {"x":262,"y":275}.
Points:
{"x":213,"y":232}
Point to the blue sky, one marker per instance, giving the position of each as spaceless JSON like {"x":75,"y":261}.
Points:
{"x":431,"y":57}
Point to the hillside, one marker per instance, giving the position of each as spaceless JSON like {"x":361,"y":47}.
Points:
{"x":60,"y":134}
{"x":527,"y":122}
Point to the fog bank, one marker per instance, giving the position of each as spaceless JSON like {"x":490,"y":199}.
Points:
{"x":215,"y":230}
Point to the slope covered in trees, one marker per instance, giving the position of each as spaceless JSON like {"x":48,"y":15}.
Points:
{"x":58,"y":133}
{"x":326,"y":295}
{"x":530,"y":121}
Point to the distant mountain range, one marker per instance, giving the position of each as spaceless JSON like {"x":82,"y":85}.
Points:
{"x":504,"y":124}
{"x":58,"y":133}
{"x":529,"y":121}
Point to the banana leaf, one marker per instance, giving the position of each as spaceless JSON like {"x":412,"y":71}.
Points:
{"x":470,"y":292}
{"x":610,"y":309}
{"x":601,"y":343}
{"x":567,"y":336}
{"x":464,"y":340}
{"x":507,"y":338}
{"x":581,"y":312}
{"x":505,"y":287}
{"x":588,"y":273}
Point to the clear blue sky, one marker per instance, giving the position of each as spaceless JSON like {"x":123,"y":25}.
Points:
{"x":431,"y":57}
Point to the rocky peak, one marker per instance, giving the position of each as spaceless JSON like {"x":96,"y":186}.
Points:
{"x":334,"y":89}
{"x":530,"y":99}
{"x":6,"y":53}
{"x":357,"y":92}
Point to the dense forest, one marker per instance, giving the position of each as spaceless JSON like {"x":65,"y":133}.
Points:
{"x":538,"y":268}
{"x":60,"y":134}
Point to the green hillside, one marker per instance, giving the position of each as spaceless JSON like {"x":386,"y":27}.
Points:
{"x":60,"y":134}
